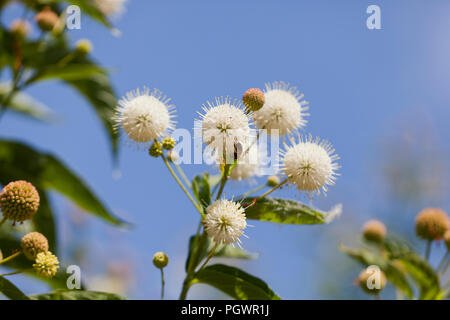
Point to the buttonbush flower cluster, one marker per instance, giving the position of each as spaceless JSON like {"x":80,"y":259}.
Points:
{"x":231,"y":128}
{"x":19,"y":201}
{"x":390,"y":259}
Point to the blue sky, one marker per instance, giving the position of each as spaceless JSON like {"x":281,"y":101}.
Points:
{"x":360,"y":84}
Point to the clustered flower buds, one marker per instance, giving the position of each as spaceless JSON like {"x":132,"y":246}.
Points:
{"x":160,"y":260}
{"x":156,"y":150}
{"x":46,"y":19}
{"x":374,"y":231}
{"x":19,"y":201}
{"x":33,"y":243}
{"x":368,"y":281}
{"x":168,"y":143}
{"x":431,"y":224}
{"x":46,"y":264}
{"x":253,"y":99}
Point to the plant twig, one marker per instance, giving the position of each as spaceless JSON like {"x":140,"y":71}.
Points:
{"x":428,"y":250}
{"x":273,"y":189}
{"x":18,"y":253}
{"x":182,"y":185}
{"x":162,"y":283}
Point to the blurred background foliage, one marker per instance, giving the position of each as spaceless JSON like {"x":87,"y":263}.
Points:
{"x":394,"y":95}
{"x":28,"y":59}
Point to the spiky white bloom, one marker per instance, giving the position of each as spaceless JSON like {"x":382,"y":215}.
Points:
{"x":145,"y":116}
{"x":224,"y":126}
{"x":310,"y":164}
{"x":225,"y":221}
{"x":283,"y":111}
{"x":110,"y":7}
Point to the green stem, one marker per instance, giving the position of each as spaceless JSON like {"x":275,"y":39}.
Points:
{"x":252,"y":191}
{"x":10,"y":95}
{"x":443,"y":260}
{"x":183,"y":176}
{"x":210,"y":255}
{"x":224,"y":180}
{"x":445,"y":268}
{"x":18,"y":253}
{"x":273,"y":189}
{"x":162,"y":283}
{"x":182,"y":186}
{"x":428,"y":250}
{"x":192,"y":263}
{"x":12,"y":273}
{"x":3,"y":221}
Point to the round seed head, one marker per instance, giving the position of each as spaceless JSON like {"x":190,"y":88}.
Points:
{"x":160,"y":260}
{"x":431,"y":224}
{"x":19,"y":201}
{"x":374,"y":231}
{"x":33,"y":243}
{"x":372,"y":283}
{"x":46,"y":19}
{"x":253,"y":99}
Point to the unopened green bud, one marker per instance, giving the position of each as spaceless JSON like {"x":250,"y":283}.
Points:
{"x":273,"y":181}
{"x":156,"y":149}
{"x":83,"y":47}
{"x":168,"y":143}
{"x":160,"y":260}
{"x":374,"y":231}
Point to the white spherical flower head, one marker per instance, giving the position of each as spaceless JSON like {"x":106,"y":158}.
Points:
{"x":283,"y":110}
{"x":110,"y":7}
{"x":145,"y":116}
{"x":310,"y":165}
{"x":225,"y":221}
{"x":224,"y":126}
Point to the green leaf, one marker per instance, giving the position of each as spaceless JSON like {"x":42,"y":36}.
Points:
{"x":24,"y":104}
{"x":202,"y":190}
{"x":424,"y":275}
{"x":53,"y":59}
{"x":230,"y":251}
{"x":19,"y":161}
{"x":76,"y":295}
{"x":286,"y":211}
{"x":222,"y":251}
{"x":235,"y":283}
{"x":11,"y":291}
{"x":443,"y":294}
{"x":194,"y":241}
{"x":393,"y":273}
{"x":74,"y":71}
{"x":99,"y":92}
